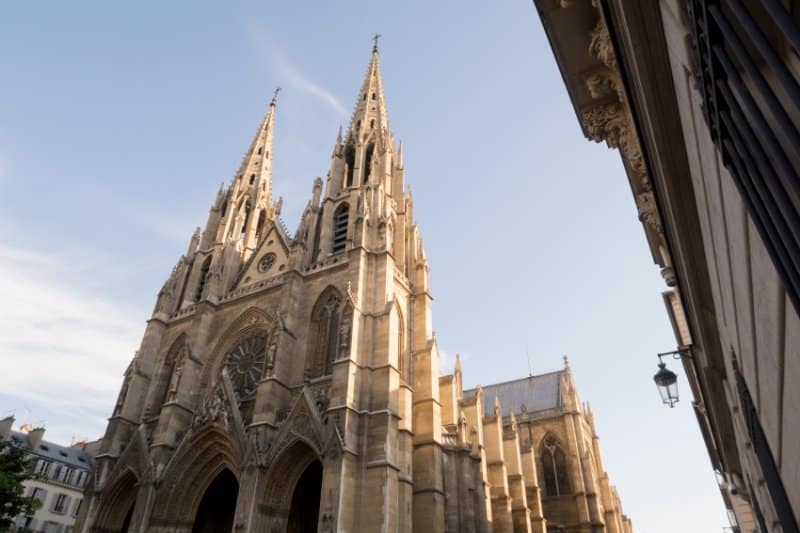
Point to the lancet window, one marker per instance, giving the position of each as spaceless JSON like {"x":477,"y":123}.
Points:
{"x":368,"y":161}
{"x":331,"y":326}
{"x":349,"y":165}
{"x":403,"y":357}
{"x":262,"y":219}
{"x":340,"y":219}
{"x":554,"y":467}
{"x":201,"y":281}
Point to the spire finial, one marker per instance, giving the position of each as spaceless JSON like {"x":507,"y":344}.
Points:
{"x":375,"y":42}
{"x":275,"y":96}
{"x":566,"y":362}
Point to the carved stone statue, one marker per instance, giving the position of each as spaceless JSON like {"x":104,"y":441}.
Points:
{"x":175,"y":382}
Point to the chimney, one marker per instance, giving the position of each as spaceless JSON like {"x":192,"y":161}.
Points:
{"x":35,"y":437}
{"x":5,"y":427}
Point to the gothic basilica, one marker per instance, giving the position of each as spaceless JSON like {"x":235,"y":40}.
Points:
{"x":291,"y":382}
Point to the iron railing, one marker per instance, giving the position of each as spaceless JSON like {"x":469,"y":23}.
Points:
{"x":769,"y":468}
{"x":751,"y":102}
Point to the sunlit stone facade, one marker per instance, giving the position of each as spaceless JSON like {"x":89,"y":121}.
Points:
{"x":291,"y":383}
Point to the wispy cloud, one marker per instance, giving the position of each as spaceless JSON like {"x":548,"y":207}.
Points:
{"x":62,"y":348}
{"x":278,"y":62}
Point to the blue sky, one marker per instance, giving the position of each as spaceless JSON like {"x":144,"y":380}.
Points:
{"x":119,"y":121}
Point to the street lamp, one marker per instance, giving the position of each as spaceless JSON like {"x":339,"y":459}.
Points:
{"x":667,"y":380}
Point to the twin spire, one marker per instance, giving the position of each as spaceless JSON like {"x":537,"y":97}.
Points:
{"x":369,"y":114}
{"x":370,"y":111}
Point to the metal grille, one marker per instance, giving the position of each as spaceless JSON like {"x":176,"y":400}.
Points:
{"x":751,"y":102}
{"x":765,"y":460}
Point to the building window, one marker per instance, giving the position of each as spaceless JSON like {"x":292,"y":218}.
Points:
{"x":403,"y":359}
{"x":247,"y":209}
{"x":42,"y":467}
{"x":331,"y":325}
{"x":39,"y":494}
{"x":262,"y":220}
{"x":77,"y":507}
{"x":368,"y":161}
{"x":60,"y":504}
{"x":57,"y":472}
{"x":554,"y":468}
{"x":26,"y":524}
{"x":340,"y":219}
{"x":201,"y":283}
{"x":51,"y":527}
{"x":349,"y":165}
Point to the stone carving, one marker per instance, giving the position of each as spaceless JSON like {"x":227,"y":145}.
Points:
{"x":602,"y":83}
{"x":172,"y":393}
{"x":213,"y":410}
{"x":648,"y":212}
{"x":321,"y":400}
{"x":600,"y":45}
{"x":607,"y":123}
{"x":270,"y":363}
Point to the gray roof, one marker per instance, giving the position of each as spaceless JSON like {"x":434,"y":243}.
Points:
{"x":74,"y":457}
{"x":535,"y":393}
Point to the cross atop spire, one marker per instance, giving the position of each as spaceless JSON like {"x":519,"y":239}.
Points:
{"x":275,"y":96}
{"x":375,"y":42}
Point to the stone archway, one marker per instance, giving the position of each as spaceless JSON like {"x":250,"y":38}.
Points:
{"x":116,"y":507}
{"x":297,"y":467}
{"x":218,"y":506}
{"x":304,"y":509}
{"x":201,"y":461}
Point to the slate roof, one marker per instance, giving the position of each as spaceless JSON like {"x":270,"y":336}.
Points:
{"x":536,"y":393}
{"x":73,"y":457}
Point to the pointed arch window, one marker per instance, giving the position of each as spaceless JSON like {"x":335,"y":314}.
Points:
{"x":247,"y":209}
{"x":340,"y":219}
{"x":403,"y":357}
{"x":554,"y":467}
{"x":331,"y":322}
{"x":349,"y":165}
{"x":201,"y":282}
{"x":368,"y":161}
{"x":262,"y":219}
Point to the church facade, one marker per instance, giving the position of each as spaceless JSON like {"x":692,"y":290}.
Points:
{"x":291,"y":383}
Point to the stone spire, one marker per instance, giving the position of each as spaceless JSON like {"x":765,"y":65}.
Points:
{"x":370,"y":111}
{"x":256,"y":168}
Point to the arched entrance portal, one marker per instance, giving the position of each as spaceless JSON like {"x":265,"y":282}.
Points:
{"x":304,"y":510}
{"x":126,"y":524}
{"x":218,"y":506}
{"x":117,"y":502}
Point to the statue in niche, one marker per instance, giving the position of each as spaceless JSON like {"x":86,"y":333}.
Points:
{"x":271,"y":350}
{"x":175,"y":382}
